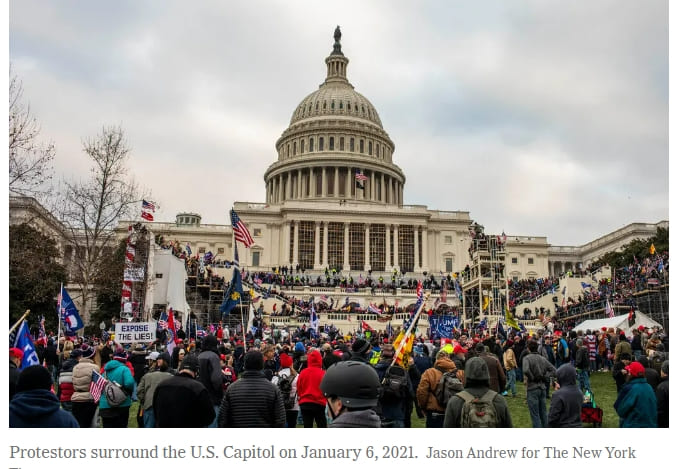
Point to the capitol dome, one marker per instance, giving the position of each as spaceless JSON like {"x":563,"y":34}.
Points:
{"x":335,"y":146}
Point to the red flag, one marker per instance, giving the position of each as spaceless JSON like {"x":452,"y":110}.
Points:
{"x":147,"y":216}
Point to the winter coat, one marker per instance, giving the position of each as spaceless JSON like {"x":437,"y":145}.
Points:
{"x":566,"y":402}
{"x":582,"y":358}
{"x":536,"y":369}
{"x":253,"y":402}
{"x":38,"y":408}
{"x":509,"y":360}
{"x":497,"y":375}
{"x":662,"y":395}
{"x":120,"y":373}
{"x":360,"y":419}
{"x":210,"y":375}
{"x":636,"y":405}
{"x":147,"y":386}
{"x":425,"y":392}
{"x":138,"y":360}
{"x":182,"y":402}
{"x":13,"y":378}
{"x":65,"y":380}
{"x":81,"y":378}
{"x":397,"y":409}
{"x":310,"y":379}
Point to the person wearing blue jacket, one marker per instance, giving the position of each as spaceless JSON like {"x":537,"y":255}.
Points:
{"x":34,"y":405}
{"x":117,"y":370}
{"x":636,"y":403}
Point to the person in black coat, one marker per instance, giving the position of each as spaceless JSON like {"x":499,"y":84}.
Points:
{"x":252,"y":401}
{"x":210,"y":373}
{"x":15,"y":357}
{"x":662,"y":394}
{"x":181,"y":401}
{"x":566,"y":401}
{"x":34,"y":405}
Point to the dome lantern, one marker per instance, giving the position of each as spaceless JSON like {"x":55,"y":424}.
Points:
{"x":336,"y":63}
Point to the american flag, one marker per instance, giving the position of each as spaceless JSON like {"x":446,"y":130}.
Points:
{"x":608,"y":309}
{"x":359,"y":176}
{"x":97,"y":385}
{"x":241,"y":233}
{"x":373,"y":309}
{"x":42,"y":336}
{"x":146,"y":205}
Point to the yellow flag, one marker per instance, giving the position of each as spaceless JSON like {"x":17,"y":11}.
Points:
{"x":403,"y":355}
{"x":511,"y":320}
{"x":652,"y":249}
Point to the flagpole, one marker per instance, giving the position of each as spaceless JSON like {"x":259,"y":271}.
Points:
{"x":61,"y":296}
{"x":18,"y":323}
{"x":409,"y":329}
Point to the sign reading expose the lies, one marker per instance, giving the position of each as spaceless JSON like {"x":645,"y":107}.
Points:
{"x":129,"y":332}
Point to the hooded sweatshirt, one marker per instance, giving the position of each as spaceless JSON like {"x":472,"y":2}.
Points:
{"x":38,"y":408}
{"x":310,"y":379}
{"x":566,"y":402}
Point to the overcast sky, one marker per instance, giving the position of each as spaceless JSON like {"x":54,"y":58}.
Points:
{"x":540,"y":118}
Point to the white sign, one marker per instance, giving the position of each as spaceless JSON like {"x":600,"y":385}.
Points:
{"x":140,"y":332}
{"x":133,"y":274}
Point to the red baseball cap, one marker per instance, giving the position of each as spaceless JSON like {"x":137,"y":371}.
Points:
{"x":635,"y":369}
{"x":459,"y":349}
{"x":16,"y":353}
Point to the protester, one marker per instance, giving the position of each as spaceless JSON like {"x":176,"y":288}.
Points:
{"x":15,"y":357}
{"x":497,"y":375}
{"x":536,"y":369}
{"x":662,"y":395}
{"x":310,"y":397}
{"x":477,"y":405}
{"x":182,"y":401}
{"x":566,"y":401}
{"x":425,"y":392}
{"x":510,"y":366}
{"x":287,"y":372}
{"x":636,"y":403}
{"x":34,"y":405}
{"x":148,"y":384}
{"x":210,"y":373}
{"x":83,"y":404}
{"x":253,"y":401}
{"x":582,"y":364}
{"x":117,"y":370}
{"x":351,"y":390}
{"x":65,"y":379}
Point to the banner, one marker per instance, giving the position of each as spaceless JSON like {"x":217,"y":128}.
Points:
{"x":443,"y":326}
{"x":133,"y":274}
{"x":140,"y":332}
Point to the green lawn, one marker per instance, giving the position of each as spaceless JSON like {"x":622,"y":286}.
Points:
{"x":602,"y":384}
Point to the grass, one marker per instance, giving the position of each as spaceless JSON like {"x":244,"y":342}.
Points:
{"x":602,"y":384}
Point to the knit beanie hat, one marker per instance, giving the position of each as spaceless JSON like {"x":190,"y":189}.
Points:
{"x":34,"y":377}
{"x":87,"y":351}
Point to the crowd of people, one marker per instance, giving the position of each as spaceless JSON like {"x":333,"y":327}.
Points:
{"x":358,"y":380}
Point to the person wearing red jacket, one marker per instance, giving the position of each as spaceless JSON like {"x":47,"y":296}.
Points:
{"x":310,"y":397}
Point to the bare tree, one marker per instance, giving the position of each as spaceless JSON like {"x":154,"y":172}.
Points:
{"x":91,"y":208}
{"x":30,"y":161}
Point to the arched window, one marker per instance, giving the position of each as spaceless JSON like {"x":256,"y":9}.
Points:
{"x":340,"y":104}
{"x":321,"y":144}
{"x":324,"y":105}
{"x":361,"y":145}
{"x":311,"y":144}
{"x":333,"y":104}
{"x":316,"y":106}
{"x":331,"y":143}
{"x":342,"y":144}
{"x":371,"y":148}
{"x":302,"y":146}
{"x":288,"y":149}
{"x":294,"y":148}
{"x":352,"y":144}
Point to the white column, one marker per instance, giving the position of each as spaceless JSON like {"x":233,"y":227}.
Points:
{"x":367,"y":259}
{"x":289,"y":186}
{"x":280,"y":197}
{"x":324,"y":182}
{"x":373,"y":186}
{"x":396,"y":255}
{"x":316,"y":245}
{"x":417,"y":262}
{"x":336,"y":190}
{"x":424,"y":238}
{"x":399,"y":193}
{"x":387,"y":248}
{"x":285,"y":258}
{"x":389,"y":190}
{"x":325,"y":257}
{"x":383,"y":196}
{"x":348,"y":185}
{"x":296,"y":225}
{"x":300,"y":183}
{"x":346,"y":247}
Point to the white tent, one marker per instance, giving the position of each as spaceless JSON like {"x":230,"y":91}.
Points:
{"x":621,"y":322}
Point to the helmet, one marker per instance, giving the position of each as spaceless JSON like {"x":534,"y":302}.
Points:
{"x":356,"y":384}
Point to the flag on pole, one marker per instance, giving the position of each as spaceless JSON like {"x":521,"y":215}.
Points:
{"x":314,"y":320}
{"x":240,"y":231}
{"x":511,"y":320}
{"x":586,"y":285}
{"x":146,"y":205}
{"x":42,"y":335}
{"x":405,"y":339}
{"x":172,"y":332}
{"x":189,"y":249}
{"x":97,"y":384}
{"x":147,"y":216}
{"x":608,"y":309}
{"x":233,"y":294}
{"x":68,"y":312}
{"x":24,"y":342}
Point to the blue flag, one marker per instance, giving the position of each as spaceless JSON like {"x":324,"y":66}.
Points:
{"x":233,"y":294}
{"x":24,"y":342}
{"x":586,"y":285}
{"x":69,"y":314}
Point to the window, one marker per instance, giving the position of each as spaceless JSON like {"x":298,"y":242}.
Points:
{"x":356,"y":239}
{"x":377,"y":247}
{"x":335,"y":245}
{"x":449,"y":264}
{"x":256,"y":259}
{"x":406,"y":248}
{"x":331,"y":143}
{"x":530,"y":260}
{"x":333,"y":104}
{"x":321,"y":144}
{"x":294,"y":148}
{"x":448,"y":240}
{"x":514,"y":260}
{"x":306,"y":232}
{"x":361,"y":146}
{"x":352,"y":144}
{"x":311,"y":144}
{"x":159,"y":275}
{"x":371,"y":148}
{"x":340,"y":104}
{"x":257,"y":231}
{"x":302,"y":146}
{"x":221,"y":250}
{"x":342,"y":142}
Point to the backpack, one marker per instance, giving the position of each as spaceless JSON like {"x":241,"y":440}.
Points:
{"x":394,"y":384}
{"x":285,"y":384}
{"x":448,"y":386}
{"x":114,"y":393}
{"x":478,"y":412}
{"x":656,"y":361}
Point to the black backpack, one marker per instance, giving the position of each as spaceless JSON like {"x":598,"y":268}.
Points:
{"x":448,"y":386}
{"x":285,"y":384}
{"x":395,"y":384}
